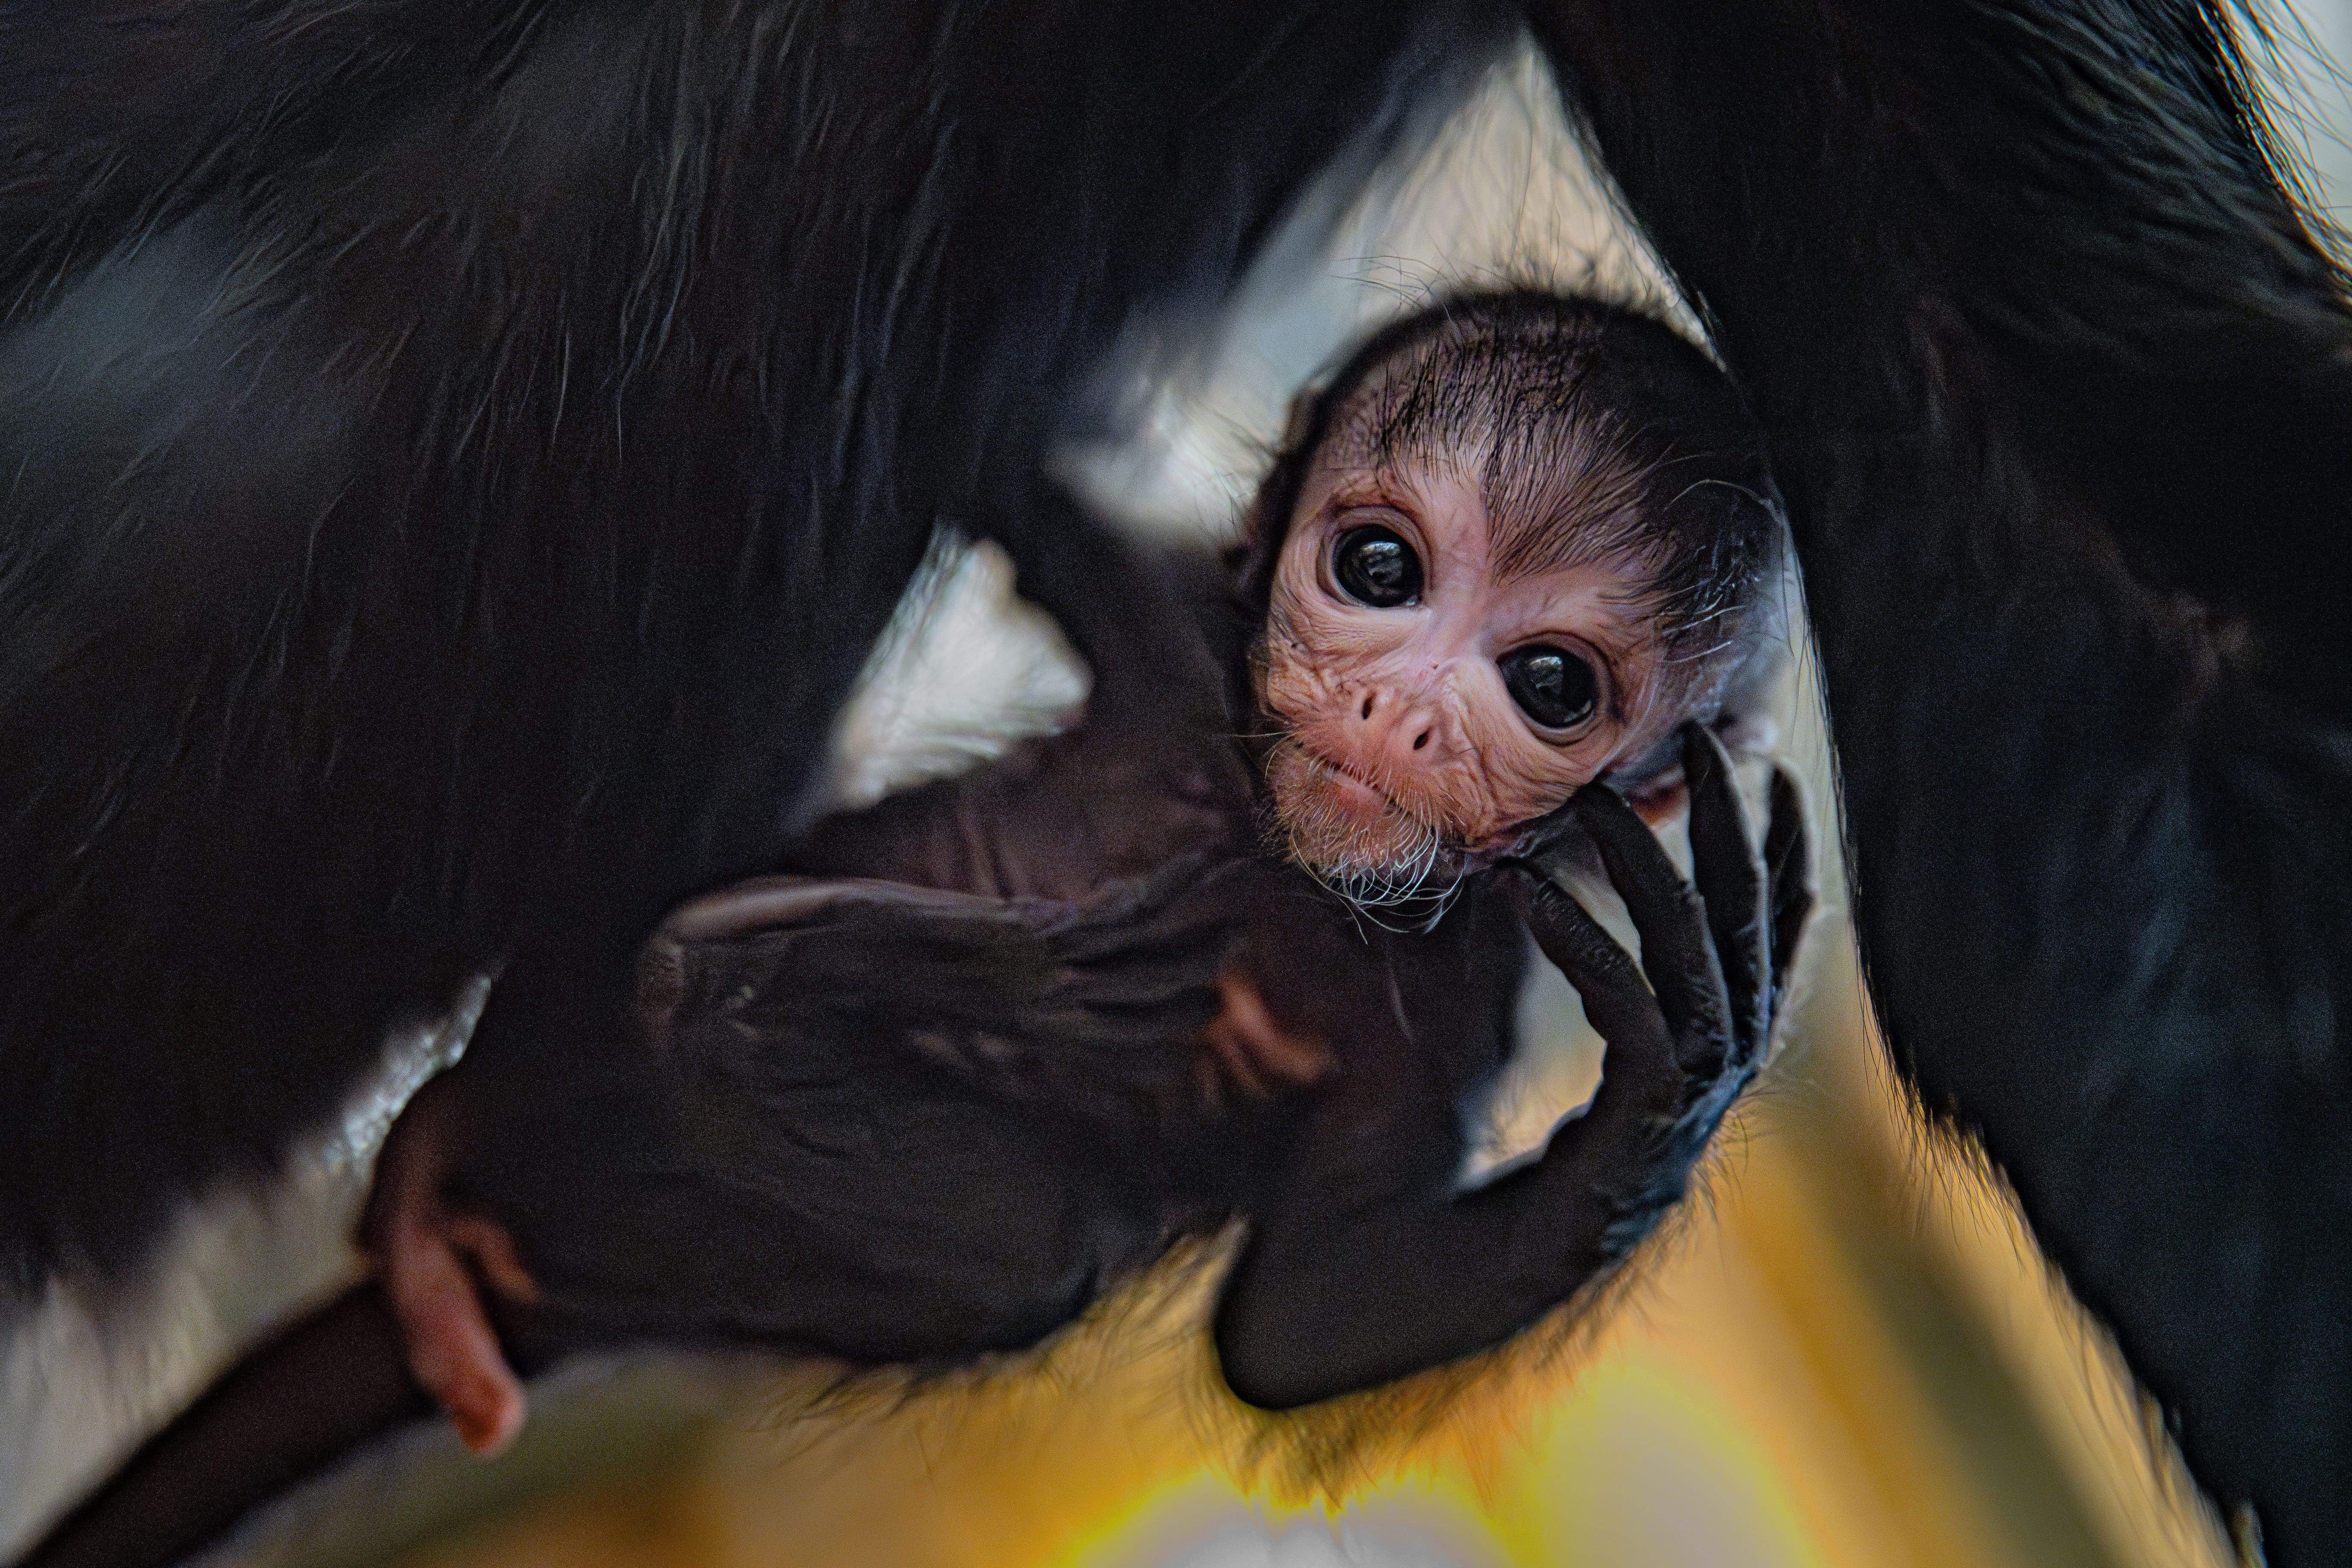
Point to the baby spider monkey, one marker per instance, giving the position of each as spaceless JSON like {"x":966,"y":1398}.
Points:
{"x":1238,"y":944}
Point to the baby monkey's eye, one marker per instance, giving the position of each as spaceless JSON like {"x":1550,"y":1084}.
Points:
{"x":1377,"y":568}
{"x":1552,"y":686}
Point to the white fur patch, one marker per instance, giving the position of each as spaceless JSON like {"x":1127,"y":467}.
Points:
{"x":965,"y":669}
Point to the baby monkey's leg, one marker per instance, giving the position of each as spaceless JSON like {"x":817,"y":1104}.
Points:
{"x":1336,"y":1294}
{"x":776,"y":1019}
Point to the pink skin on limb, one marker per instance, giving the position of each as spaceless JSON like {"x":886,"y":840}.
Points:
{"x":434,"y":1262}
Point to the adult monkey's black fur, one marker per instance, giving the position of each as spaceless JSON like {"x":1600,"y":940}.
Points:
{"x":400,"y":573}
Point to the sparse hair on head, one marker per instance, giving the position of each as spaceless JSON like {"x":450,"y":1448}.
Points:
{"x":1574,"y":408}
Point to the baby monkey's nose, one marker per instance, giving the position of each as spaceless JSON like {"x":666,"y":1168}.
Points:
{"x":1397,"y":729}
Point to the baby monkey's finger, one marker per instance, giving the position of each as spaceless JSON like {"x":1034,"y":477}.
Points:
{"x":1678,"y":951}
{"x":1789,"y":862}
{"x":1731,"y":882}
{"x":1617,"y":1004}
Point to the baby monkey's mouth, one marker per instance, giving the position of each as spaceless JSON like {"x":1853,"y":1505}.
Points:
{"x":1387,"y":861}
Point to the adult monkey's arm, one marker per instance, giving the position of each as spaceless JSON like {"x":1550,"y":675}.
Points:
{"x":2055,"y":382}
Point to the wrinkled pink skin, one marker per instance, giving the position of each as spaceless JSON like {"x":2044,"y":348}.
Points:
{"x":1403,"y":746}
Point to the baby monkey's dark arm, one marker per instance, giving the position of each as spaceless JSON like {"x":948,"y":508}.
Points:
{"x":1354,"y":1282}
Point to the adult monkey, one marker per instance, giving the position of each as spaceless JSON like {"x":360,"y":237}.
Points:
{"x":399,"y":568}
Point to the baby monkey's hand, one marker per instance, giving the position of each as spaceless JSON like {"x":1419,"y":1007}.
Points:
{"x":1717,"y":954}
{"x":1332,"y":1302}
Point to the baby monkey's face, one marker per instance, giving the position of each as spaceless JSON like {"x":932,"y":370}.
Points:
{"x":1433,"y":697}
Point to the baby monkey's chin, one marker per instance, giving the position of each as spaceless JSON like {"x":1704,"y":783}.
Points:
{"x":1348,"y":833}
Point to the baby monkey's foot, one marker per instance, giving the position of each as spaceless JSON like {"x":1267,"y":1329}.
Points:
{"x":435,"y":1261}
